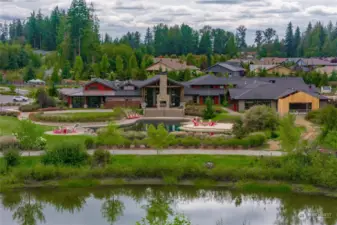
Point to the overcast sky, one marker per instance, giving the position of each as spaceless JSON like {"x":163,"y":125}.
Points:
{"x":119,"y":16}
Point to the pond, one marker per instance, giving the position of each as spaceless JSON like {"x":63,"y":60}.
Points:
{"x":170,"y":125}
{"x":126,"y":205}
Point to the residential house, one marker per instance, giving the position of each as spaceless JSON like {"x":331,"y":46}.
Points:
{"x":169,"y":64}
{"x":272,"y":60}
{"x":271,"y":69}
{"x":327,"y":70}
{"x":232,"y":69}
{"x":284,"y":94}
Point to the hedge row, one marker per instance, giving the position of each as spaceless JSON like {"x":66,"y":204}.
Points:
{"x":9,"y":113}
{"x":29,"y":108}
{"x":233,"y":143}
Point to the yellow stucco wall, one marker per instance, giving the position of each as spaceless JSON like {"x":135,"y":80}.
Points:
{"x":281,"y":70}
{"x":157,"y":66}
{"x":299,"y":97}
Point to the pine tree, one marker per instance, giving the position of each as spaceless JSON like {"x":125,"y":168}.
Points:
{"x":55,"y":78}
{"x":78,"y":68}
{"x":258,"y":38}
{"x":289,"y":41}
{"x":297,"y":41}
{"x":209,"y":111}
{"x":119,"y":65}
{"x":66,"y":70}
{"x":104,"y":66}
{"x":241,"y":37}
{"x":30,"y":74}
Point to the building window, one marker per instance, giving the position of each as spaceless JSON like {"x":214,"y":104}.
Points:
{"x":251,"y":103}
{"x":195,"y":99}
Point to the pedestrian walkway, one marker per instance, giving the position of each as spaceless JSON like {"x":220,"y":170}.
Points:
{"x":177,"y":152}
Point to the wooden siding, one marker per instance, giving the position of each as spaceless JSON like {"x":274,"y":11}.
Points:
{"x":299,"y":97}
{"x":280,"y":70}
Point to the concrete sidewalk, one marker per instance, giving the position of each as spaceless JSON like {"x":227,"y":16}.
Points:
{"x":178,"y":152}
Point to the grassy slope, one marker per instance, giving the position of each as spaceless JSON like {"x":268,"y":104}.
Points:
{"x":9,"y":124}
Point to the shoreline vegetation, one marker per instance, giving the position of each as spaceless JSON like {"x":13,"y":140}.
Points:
{"x":244,"y":185}
{"x":267,"y":174}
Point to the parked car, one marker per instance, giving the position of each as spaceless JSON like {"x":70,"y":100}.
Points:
{"x":20,"y":99}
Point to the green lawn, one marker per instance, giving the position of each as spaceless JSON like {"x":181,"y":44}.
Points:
{"x":133,"y":161}
{"x":8,"y":125}
{"x":226,"y":117}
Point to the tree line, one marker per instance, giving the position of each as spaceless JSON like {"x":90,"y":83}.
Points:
{"x":80,"y":52}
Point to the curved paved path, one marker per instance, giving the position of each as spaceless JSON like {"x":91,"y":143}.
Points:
{"x":178,"y":152}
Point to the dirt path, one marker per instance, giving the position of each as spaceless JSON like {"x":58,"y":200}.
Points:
{"x":311,"y":131}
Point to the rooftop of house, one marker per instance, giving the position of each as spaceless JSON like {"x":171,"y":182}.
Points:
{"x":175,"y":64}
{"x":261,"y":67}
{"x":245,"y":88}
{"x":327,"y":69}
{"x":272,"y":88}
{"x":232,"y":66}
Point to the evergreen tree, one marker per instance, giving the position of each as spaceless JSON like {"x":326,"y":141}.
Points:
{"x":231,"y":48}
{"x":30,"y":74}
{"x":258,"y":38}
{"x":209,"y":111}
{"x":297,"y":41}
{"x":55,"y":78}
{"x":78,"y":68}
{"x":241,"y":37}
{"x":133,"y":62}
{"x":289,"y":41}
{"x":105,"y":65}
{"x":66,"y":70}
{"x":205,"y":44}
{"x":119,"y":65}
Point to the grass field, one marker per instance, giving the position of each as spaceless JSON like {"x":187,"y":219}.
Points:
{"x":9,"y":124}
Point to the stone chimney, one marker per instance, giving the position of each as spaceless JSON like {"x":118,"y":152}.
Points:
{"x":163,"y":99}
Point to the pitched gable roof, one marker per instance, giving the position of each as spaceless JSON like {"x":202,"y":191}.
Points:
{"x":174,"y":64}
{"x":228,"y":66}
{"x":107,"y":83}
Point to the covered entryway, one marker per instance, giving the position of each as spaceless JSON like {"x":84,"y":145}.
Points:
{"x":94,"y":102}
{"x":300,"y":107}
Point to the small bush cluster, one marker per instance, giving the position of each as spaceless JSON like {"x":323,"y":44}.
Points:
{"x":29,"y":108}
{"x":66,"y":153}
{"x":101,"y":158}
{"x":10,"y":104}
{"x":198,"y":110}
{"x":12,"y":157}
{"x":132,"y":135}
{"x":9,"y":113}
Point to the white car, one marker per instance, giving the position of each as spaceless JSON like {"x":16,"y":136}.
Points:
{"x":20,"y":99}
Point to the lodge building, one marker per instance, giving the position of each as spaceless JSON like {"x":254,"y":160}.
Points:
{"x":284,"y":94}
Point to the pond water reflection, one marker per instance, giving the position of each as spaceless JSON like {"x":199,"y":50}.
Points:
{"x":127,"y":205}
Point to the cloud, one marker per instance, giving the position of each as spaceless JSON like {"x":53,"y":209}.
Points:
{"x":321,"y":10}
{"x":225,"y":2}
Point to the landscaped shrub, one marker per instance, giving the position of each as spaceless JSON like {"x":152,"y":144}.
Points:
{"x":9,"y":113}
{"x":66,"y":153}
{"x":89,"y":143}
{"x":190,"y":141}
{"x":208,"y":112}
{"x":260,"y":117}
{"x":43,"y":99}
{"x":29,"y":108}
{"x":110,"y":136}
{"x":12,"y":157}
{"x":29,"y":135}
{"x":132,"y":135}
{"x":313,"y":116}
{"x":101,"y":158}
